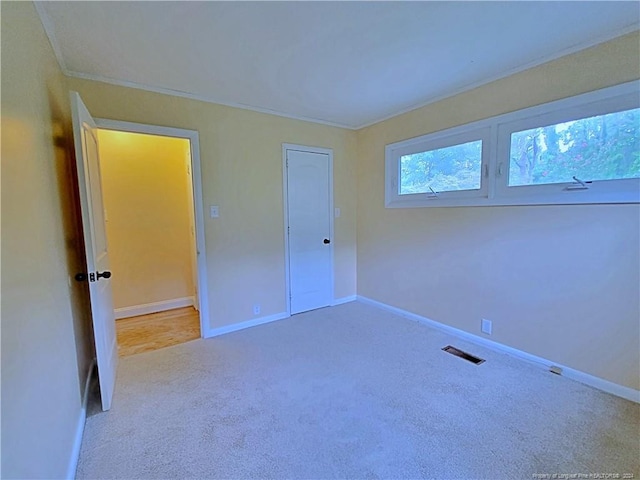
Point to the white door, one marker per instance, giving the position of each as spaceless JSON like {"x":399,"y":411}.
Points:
{"x":95,"y":241}
{"x":309,"y":203}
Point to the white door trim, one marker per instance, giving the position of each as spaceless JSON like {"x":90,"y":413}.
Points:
{"x":194,"y":139}
{"x":285,"y":207}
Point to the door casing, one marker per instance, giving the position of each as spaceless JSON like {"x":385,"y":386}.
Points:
{"x":196,"y":188}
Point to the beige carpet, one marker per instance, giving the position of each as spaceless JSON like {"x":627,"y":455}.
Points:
{"x":351,"y":392}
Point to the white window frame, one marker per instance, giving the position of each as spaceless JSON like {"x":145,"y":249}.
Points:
{"x":495,"y":132}
{"x":449,"y":138}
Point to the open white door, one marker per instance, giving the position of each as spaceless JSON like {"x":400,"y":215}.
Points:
{"x":95,"y":240}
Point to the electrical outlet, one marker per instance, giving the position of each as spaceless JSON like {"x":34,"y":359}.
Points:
{"x":256,"y":309}
{"x":487,"y":326}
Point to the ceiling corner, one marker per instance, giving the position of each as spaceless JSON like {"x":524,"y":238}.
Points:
{"x":49,"y":30}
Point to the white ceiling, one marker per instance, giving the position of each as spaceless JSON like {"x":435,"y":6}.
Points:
{"x":344,"y":63}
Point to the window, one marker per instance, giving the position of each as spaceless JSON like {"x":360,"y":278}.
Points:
{"x":447,"y":169}
{"x":604,"y":147}
{"x":584,"y":149}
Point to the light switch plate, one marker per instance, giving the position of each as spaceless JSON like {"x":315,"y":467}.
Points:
{"x":336,"y":212}
{"x":214,"y":211}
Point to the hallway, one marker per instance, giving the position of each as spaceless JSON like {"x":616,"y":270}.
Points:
{"x":146,"y":333}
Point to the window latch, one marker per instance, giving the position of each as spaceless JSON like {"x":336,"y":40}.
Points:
{"x":577,"y":185}
{"x":433,"y":194}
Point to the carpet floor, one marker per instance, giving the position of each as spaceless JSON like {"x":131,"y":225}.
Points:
{"x":352,"y":392}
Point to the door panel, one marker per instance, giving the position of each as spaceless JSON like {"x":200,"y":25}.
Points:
{"x":95,"y":239}
{"x":309,"y":220}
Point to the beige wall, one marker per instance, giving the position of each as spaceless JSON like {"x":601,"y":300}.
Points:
{"x":560,"y":282}
{"x":46,"y":346}
{"x":241,"y":156}
{"x":147,"y":198}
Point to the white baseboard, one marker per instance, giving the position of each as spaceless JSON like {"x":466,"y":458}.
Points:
{"x":214,"y":332}
{"x":577,"y":375}
{"x":77,"y":442}
{"x":154,"y":307}
{"x":340,"y":301}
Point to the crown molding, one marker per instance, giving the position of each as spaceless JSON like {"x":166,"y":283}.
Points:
{"x":49,"y":30}
{"x":47,"y":24}
{"x":201,"y":98}
{"x":635,"y":27}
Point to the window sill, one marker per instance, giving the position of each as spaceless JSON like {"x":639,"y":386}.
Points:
{"x":564,"y":198}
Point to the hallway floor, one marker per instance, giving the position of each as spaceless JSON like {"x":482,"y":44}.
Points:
{"x":146,"y":333}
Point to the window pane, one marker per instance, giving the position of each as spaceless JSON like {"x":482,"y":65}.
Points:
{"x":605,"y":147}
{"x":444,"y":170}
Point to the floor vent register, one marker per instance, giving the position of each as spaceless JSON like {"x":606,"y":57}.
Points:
{"x":461,"y":354}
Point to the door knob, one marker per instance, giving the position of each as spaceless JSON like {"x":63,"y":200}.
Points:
{"x":92,"y":277}
{"x":326,"y":241}
{"x":105,"y":274}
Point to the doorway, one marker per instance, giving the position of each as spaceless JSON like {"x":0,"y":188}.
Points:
{"x":150,"y":182}
{"x":308,"y":195}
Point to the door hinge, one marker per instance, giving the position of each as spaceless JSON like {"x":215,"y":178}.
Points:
{"x":92,"y":277}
